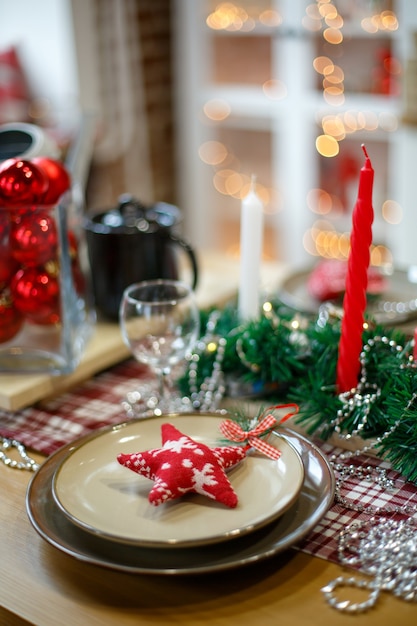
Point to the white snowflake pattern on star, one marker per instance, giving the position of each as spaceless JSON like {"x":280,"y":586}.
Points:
{"x":163,"y":490}
{"x":204,"y":478}
{"x":177,"y":445}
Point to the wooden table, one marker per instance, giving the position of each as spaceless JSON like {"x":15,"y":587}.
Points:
{"x":41,"y":585}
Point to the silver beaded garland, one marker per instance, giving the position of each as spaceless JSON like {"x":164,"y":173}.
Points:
{"x":211,"y":391}
{"x":384,"y":549}
{"x":24,"y":461}
{"x":365,"y":395}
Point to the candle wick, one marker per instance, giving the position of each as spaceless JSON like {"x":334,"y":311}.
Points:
{"x":364,"y":150}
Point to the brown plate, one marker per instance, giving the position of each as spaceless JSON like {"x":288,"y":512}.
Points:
{"x":315,"y":498}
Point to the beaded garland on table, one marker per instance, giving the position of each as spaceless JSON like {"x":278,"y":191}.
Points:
{"x":382,"y":410}
{"x":296,"y":358}
{"x":382,"y":547}
{"x":212,"y":388}
{"x":21,"y":460}
{"x":385,"y":550}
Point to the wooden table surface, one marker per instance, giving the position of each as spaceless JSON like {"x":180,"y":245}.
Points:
{"x":46,"y":587}
{"x":41,"y":585}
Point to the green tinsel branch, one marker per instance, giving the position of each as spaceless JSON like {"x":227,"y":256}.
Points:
{"x":296,"y":358}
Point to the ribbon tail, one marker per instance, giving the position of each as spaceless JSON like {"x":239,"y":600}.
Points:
{"x":295,"y":409}
{"x":265,"y":448}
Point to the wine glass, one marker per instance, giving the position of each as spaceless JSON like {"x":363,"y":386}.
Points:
{"x":160,"y":323}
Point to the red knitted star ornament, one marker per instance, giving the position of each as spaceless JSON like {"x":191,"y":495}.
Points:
{"x":182,"y":465}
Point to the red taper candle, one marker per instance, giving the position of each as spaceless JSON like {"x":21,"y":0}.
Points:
{"x":354,"y":302}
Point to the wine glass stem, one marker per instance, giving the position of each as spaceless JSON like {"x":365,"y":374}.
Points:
{"x":163,"y":383}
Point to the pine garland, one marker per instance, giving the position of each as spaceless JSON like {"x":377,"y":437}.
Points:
{"x":296,"y":358}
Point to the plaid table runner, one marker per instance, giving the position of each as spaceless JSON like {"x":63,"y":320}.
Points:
{"x":97,"y":403}
{"x":88,"y":406}
{"x":323,"y":540}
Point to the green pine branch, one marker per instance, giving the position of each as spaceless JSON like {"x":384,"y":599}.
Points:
{"x":300,"y":363}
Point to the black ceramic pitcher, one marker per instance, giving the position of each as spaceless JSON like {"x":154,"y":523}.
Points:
{"x":132,"y":243}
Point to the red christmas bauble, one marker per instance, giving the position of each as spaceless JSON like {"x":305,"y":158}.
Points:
{"x":11,"y":320}
{"x":8,"y":266}
{"x":4,"y":227}
{"x":35,"y":293}
{"x":58,"y":179}
{"x":34,"y":238}
{"x":21,"y":182}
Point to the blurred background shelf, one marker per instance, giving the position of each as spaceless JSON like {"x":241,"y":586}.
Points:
{"x":192,"y":98}
{"x":288,"y":91}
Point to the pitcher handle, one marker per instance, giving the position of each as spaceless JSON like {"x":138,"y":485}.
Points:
{"x":191,"y":255}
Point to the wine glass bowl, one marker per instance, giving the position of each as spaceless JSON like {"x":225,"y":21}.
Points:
{"x":160,"y":322}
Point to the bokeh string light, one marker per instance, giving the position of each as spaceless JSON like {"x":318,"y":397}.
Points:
{"x":336,"y":123}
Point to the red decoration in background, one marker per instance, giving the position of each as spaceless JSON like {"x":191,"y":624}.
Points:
{"x":34,"y":238}
{"x":8,"y":266}
{"x":21,"y":183}
{"x":4,"y":227}
{"x":327,"y":281}
{"x":29,"y":260}
{"x":11,"y":320}
{"x":15,"y":94}
{"x":386,"y":75}
{"x":58,"y":179}
{"x":40,"y":181}
{"x":35,"y":293}
{"x":354,"y":302}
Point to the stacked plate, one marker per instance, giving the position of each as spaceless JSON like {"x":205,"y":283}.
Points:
{"x":396,"y":305}
{"x":87,"y":505}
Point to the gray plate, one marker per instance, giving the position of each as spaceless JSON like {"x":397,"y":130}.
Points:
{"x":396,"y":305}
{"x":315,"y":498}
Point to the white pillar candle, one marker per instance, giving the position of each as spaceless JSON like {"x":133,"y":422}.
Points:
{"x":251,"y":237}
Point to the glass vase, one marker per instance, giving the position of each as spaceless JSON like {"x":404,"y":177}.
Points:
{"x":46,"y":315}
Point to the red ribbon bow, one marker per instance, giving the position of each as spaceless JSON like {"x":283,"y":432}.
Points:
{"x":232,"y":431}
